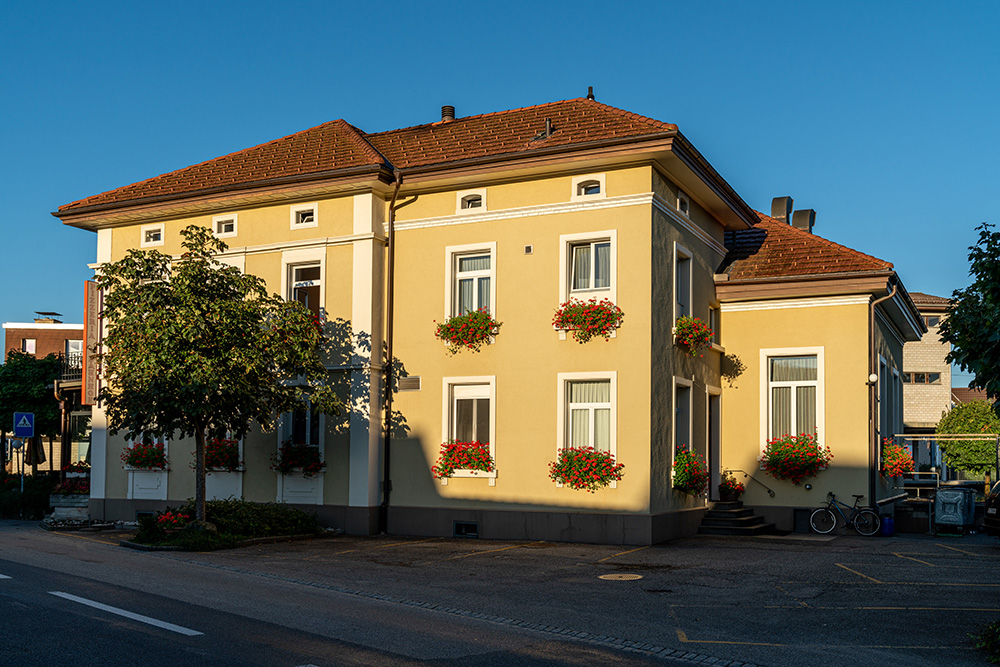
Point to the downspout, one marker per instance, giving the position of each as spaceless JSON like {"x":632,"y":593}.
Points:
{"x":383,"y":519}
{"x":873,"y":396}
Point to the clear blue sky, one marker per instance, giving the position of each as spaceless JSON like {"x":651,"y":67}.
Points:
{"x":882,"y":116}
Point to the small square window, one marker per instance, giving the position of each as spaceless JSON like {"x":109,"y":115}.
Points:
{"x":224,"y":226}
{"x":151,"y":235}
{"x":683,"y":204}
{"x":932,"y":321}
{"x":591,"y":186}
{"x":470,"y":201}
{"x":28,"y":345}
{"x":304,"y":215}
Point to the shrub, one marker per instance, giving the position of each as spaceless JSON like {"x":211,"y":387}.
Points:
{"x":987,"y":639}
{"x":297,"y":457}
{"x":795,"y":457}
{"x":469,"y":330}
{"x":690,"y":472}
{"x":896,"y":460}
{"x":585,"y":468}
{"x":463,"y":456}
{"x":588,"y":319}
{"x":147,"y":456}
{"x":693,"y":334}
{"x":32,"y":503}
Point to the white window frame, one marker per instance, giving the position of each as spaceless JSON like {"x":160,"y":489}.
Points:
{"x":291,"y":259}
{"x":683,"y":204}
{"x":287,"y":427}
{"x":29,"y":345}
{"x":683,"y":262}
{"x":462,"y":195}
{"x":147,"y":229}
{"x":566,"y":244}
{"x":293,"y":215}
{"x":217,"y":220}
{"x":689,"y":386}
{"x":489,"y":385}
{"x":765,"y":388}
{"x":579,"y":181}
{"x":563,"y":381}
{"x":451,"y":255}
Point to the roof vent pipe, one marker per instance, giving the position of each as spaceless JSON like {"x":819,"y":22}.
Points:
{"x":447,"y":113}
{"x":548,"y":127}
{"x":590,"y":92}
{"x":781,"y":208}
{"x":804,"y":219}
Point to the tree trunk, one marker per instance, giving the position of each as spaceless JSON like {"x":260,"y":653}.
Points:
{"x":3,"y":450}
{"x":199,"y":474}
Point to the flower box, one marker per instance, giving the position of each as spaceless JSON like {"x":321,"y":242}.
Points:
{"x":469,"y":330}
{"x":73,"y":507}
{"x":588,"y":319}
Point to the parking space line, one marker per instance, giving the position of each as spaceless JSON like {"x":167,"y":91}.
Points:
{"x":397,"y":544}
{"x":128,"y":614}
{"x":913,"y":559}
{"x":632,"y":551}
{"x":477,"y":553}
{"x":682,"y":636}
{"x":4,"y":576}
{"x":954,"y":549}
{"x":873,"y":579}
{"x":83,"y":537}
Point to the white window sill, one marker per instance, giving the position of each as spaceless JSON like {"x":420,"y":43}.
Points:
{"x":468,"y":474}
{"x":562,"y":333}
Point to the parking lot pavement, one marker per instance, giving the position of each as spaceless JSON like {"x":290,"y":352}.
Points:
{"x":850,"y":600}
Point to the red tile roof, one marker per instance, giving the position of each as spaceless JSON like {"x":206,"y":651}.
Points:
{"x":966,"y":395}
{"x":922,"y":300}
{"x":338,"y":145}
{"x":774,"y":249}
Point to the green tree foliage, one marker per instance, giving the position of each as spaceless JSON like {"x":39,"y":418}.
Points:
{"x":973,"y":322}
{"x":199,"y":349}
{"x":26,"y":386}
{"x":975,"y":456}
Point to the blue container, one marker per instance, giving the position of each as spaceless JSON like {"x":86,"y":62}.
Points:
{"x":887,"y":526}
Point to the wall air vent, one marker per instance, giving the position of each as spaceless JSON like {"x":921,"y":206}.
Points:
{"x":466,"y":529}
{"x":409,"y":383}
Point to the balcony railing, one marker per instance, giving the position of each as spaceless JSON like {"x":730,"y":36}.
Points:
{"x":72,"y":366}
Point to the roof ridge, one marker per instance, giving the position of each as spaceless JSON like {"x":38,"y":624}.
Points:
{"x":360,"y":139}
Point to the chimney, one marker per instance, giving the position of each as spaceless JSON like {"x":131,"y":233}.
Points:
{"x":47,"y":317}
{"x":447,"y":113}
{"x":781,"y":208}
{"x":804,"y":219}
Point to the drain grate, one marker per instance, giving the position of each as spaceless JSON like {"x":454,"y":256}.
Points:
{"x":620,"y":577}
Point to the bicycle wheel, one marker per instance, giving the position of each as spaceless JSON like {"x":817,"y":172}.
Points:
{"x":866,"y":522}
{"x":823,"y":520}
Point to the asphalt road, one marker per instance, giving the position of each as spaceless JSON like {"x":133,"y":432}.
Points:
{"x":850,"y":601}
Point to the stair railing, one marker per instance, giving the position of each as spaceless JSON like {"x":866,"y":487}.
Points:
{"x":746,"y":474}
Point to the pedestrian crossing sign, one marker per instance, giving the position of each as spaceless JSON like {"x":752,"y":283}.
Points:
{"x":24,"y":424}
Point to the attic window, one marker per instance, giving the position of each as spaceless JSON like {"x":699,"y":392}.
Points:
{"x":224,"y":226}
{"x":470,"y":201}
{"x":683,"y":204}
{"x":304,"y":215}
{"x":152,"y":235}
{"x":591,"y":186}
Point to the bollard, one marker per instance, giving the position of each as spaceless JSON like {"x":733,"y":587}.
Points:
{"x":887,"y":526}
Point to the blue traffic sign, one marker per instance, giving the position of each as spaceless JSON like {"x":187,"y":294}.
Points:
{"x":24,"y":424}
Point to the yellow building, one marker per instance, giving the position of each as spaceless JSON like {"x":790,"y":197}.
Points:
{"x":819,"y":329}
{"x":515,"y":212}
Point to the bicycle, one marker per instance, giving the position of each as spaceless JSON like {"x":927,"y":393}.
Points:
{"x":865,"y":520}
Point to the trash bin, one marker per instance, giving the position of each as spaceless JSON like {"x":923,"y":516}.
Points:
{"x":955,"y":507}
{"x":888,"y":529}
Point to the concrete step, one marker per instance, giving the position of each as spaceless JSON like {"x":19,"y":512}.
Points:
{"x":720,"y":514}
{"x":735,"y":522}
{"x":742,"y":531}
{"x":735,"y":505}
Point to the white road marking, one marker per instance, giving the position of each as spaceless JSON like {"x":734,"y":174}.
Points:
{"x":4,"y":576}
{"x":127,"y":614}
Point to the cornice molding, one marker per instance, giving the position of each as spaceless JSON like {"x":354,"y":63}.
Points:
{"x":781,"y":304}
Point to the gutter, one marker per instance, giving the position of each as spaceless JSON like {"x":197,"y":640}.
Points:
{"x":873,"y":396}
{"x":383,"y":515}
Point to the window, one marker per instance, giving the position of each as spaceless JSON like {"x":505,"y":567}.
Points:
{"x":74,"y":354}
{"x":152,"y":235}
{"x":591,"y":266}
{"x":792,"y":390}
{"x":587,"y":411}
{"x":683,"y":204}
{"x":932,"y":320}
{"x":682,"y":414}
{"x":921,"y":378}
{"x":304,"y":215}
{"x":682,"y":282}
{"x":306,"y":281}
{"x":714,"y":323}
{"x":469,"y":415}
{"x":28,"y":345}
{"x":591,"y":186}
{"x":471,"y":276}
{"x":302,"y":427}
{"x":471,"y":201}
{"x":224,"y":226}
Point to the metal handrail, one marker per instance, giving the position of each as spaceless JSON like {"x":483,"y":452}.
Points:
{"x":746,"y":474}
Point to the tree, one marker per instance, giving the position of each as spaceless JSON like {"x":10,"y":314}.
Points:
{"x":26,"y":386}
{"x":198,"y":348}
{"x":975,"y":456}
{"x":973,"y":322}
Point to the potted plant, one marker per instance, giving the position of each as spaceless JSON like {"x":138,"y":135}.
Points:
{"x":75,"y":487}
{"x":463,"y":456}
{"x":585,"y":468}
{"x":795,"y":457}
{"x":896,"y":459}
{"x":298,"y":457}
{"x":145,"y":456}
{"x":77,"y":470}
{"x":690,"y":472}
{"x":693,"y":334}
{"x":171,"y":522}
{"x":588,"y":319}
{"x":470,"y":330}
{"x":222,"y":455}
{"x":729,"y":489}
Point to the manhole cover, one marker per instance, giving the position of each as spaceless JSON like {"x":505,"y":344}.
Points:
{"x":620,"y":577}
